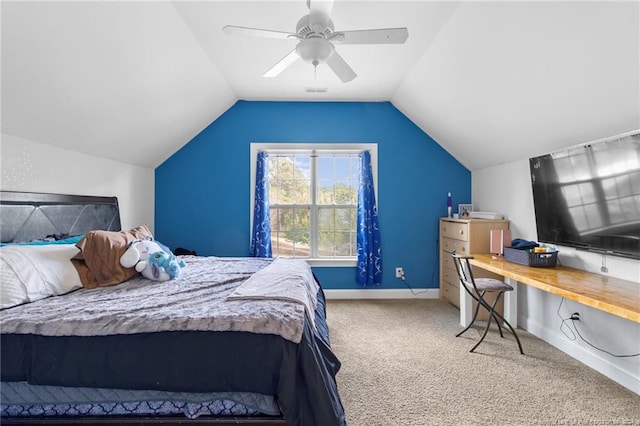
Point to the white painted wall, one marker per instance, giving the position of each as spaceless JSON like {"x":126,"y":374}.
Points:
{"x":507,"y":189}
{"x":31,"y":166}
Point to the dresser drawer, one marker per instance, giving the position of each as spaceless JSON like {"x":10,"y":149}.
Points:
{"x":447,"y":262}
{"x":455,"y":230}
{"x":450,"y":245}
{"x":451,"y":277}
{"x":449,"y":273}
{"x":451,"y":294}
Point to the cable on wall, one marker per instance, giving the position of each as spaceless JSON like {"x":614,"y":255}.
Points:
{"x":433,"y":272}
{"x":604,"y":268}
{"x":563,"y":324}
{"x":573,"y":319}
{"x":415,"y":293}
{"x":603,"y":350}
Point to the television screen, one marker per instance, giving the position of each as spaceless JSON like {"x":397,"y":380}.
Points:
{"x":588,"y":197}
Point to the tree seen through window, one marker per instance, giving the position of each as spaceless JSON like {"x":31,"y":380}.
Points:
{"x":313,"y":201}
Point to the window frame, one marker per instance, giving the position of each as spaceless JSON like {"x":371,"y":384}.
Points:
{"x":289,"y":148}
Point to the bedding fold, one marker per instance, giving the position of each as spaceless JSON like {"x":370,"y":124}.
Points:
{"x":285,"y":279}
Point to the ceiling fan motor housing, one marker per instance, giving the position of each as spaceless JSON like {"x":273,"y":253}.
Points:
{"x":315,"y":24}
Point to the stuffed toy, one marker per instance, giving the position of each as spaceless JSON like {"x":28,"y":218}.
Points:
{"x":152,"y":259}
{"x":166,"y":261}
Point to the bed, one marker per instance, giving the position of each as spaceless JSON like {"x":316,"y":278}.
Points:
{"x":229,"y":341}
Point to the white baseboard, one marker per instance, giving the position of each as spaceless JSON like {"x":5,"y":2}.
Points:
{"x":591,"y":359}
{"x":418,"y":293}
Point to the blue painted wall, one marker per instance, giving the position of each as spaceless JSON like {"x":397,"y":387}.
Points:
{"x":202,"y":191}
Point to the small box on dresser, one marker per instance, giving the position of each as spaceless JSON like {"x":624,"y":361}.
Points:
{"x":464,"y":236}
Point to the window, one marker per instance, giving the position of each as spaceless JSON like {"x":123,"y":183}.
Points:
{"x":313,"y":195}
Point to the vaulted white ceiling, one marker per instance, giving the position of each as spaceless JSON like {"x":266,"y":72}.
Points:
{"x":492,"y":82}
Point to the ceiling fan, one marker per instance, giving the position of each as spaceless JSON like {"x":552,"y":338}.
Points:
{"x":316,"y":36}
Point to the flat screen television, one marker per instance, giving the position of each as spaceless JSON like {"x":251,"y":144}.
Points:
{"x":588,"y":196}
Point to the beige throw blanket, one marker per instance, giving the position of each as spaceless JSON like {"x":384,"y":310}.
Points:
{"x":285,"y":279}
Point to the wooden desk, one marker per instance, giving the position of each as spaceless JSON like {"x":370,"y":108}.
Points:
{"x":613,"y":295}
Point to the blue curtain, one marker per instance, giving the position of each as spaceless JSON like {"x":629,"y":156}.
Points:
{"x":261,"y":233}
{"x":368,"y":238}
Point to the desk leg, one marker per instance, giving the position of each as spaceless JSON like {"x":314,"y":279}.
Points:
{"x":511,"y":303}
{"x":466,"y":307}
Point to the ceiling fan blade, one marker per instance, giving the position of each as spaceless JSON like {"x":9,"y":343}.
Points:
{"x":282,"y":65}
{"x":323,"y":6}
{"x":254,"y":32}
{"x":341,"y":68}
{"x":379,"y":36}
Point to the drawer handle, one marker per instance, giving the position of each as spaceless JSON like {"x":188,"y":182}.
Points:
{"x":461,"y":232}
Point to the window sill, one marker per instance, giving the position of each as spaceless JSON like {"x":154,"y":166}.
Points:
{"x":340,"y":263}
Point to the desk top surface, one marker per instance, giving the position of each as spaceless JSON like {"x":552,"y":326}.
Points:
{"x":613,"y":295}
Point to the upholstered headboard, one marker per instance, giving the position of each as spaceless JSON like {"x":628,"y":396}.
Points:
{"x":27,"y":216}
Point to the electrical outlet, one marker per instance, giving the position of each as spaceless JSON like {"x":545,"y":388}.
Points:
{"x":578,"y":310}
{"x":399,"y":272}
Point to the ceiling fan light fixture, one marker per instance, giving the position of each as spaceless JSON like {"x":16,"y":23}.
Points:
{"x":315,"y":50}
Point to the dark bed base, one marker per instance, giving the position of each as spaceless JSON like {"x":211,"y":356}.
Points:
{"x":146,"y":421}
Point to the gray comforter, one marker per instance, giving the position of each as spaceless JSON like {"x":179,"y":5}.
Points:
{"x":197,"y":301}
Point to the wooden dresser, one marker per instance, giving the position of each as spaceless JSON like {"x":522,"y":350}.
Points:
{"x":464,"y":236}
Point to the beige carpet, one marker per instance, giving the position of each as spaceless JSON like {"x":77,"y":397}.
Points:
{"x":402,"y":365}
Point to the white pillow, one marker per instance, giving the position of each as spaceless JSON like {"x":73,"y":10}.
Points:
{"x":12,"y":291}
{"x":43,"y":271}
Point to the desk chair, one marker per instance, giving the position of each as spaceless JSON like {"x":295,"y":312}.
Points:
{"x":477,"y":288}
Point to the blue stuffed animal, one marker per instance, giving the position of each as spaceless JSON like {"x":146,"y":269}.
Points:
{"x":168,"y":262}
{"x":152,"y":259}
